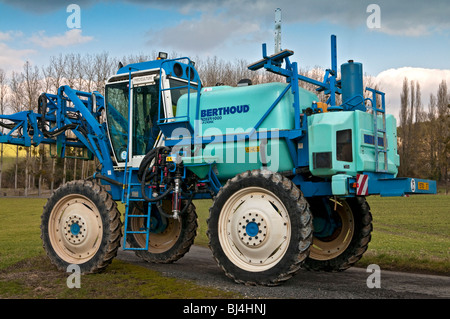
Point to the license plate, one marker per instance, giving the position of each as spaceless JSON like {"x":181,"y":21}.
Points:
{"x":423,"y":186}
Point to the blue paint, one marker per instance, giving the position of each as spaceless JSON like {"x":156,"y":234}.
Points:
{"x":75,"y":229}
{"x":252,"y":229}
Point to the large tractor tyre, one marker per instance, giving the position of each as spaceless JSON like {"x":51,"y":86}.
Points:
{"x":169,"y":239}
{"x":81,"y":225}
{"x":260,"y":228}
{"x":342,"y":232}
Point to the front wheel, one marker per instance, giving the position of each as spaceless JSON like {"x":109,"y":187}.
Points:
{"x":81,"y":225}
{"x":260,"y":228}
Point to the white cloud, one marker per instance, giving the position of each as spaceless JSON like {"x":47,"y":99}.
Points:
{"x":401,"y":17}
{"x":391,"y":82}
{"x":5,"y":36}
{"x":204,"y":34}
{"x":69,"y":38}
{"x":10,"y":35}
{"x":12,"y":59}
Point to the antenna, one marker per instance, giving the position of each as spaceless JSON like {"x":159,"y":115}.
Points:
{"x":277,"y":30}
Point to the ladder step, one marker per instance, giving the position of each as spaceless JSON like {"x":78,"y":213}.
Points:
{"x":129,"y":190}
{"x":136,"y":232}
{"x":129,"y":248}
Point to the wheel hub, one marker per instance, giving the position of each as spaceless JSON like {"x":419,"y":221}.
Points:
{"x":75,"y":230}
{"x":252,"y":229}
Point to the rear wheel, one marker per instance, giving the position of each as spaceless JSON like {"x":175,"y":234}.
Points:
{"x":81,"y":225}
{"x":260,"y":228}
{"x":169,"y":239}
{"x":342,"y":232}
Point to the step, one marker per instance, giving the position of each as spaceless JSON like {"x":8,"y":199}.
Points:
{"x":130,"y":248}
{"x":136,"y":232}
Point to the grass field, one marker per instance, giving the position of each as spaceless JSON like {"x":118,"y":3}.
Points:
{"x":410,"y":234}
{"x":25,"y":271}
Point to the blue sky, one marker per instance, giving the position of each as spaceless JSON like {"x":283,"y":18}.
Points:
{"x":413,"y":38}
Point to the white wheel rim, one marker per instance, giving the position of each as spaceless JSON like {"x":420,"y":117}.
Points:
{"x":157,"y":242}
{"x":254,"y":229}
{"x":75,"y":229}
{"x":160,"y":242}
{"x":326,"y":250}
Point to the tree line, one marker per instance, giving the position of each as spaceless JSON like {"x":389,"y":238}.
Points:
{"x":423,"y":134}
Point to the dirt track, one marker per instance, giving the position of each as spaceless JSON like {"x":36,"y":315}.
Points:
{"x":198,"y":265}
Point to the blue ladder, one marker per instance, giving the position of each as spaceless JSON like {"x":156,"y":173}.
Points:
{"x":127,"y":198}
{"x":379,"y":148}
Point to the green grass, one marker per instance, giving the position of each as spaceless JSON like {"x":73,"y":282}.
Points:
{"x":36,"y":278}
{"x":26,"y":272}
{"x":202,"y":209}
{"x":410,"y":234}
{"x":20,"y":220}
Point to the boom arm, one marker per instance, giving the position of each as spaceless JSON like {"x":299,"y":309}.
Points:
{"x":68,"y":111}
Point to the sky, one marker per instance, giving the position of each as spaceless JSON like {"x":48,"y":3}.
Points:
{"x":393,"y":39}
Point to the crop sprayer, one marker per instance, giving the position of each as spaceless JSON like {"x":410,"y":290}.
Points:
{"x":288,"y":174}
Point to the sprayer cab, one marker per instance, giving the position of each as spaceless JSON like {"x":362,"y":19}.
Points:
{"x":141,"y":100}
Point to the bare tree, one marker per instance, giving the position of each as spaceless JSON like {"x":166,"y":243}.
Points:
{"x":403,"y":116}
{"x":418,"y":106}
{"x":31,"y":93}
{"x":88,"y":67}
{"x":32,"y":86}
{"x":17,"y":105}
{"x":70,"y":69}
{"x":443,"y":142}
{"x":57,"y":71}
{"x":17,"y":88}
{"x":104,"y":68}
{"x":3,"y":86}
{"x":80,"y":76}
{"x":47,"y":79}
{"x":431,"y":139}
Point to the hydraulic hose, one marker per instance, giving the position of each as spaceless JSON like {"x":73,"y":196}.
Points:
{"x":142,"y":174}
{"x":189,"y":201}
{"x":157,"y":198}
{"x":183,"y":211}
{"x":107,"y":179}
{"x":42,"y":110}
{"x":147,"y":160}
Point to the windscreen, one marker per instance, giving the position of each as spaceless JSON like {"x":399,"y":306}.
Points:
{"x":145,"y":117}
{"x":145,"y":99}
{"x":116,"y":96}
